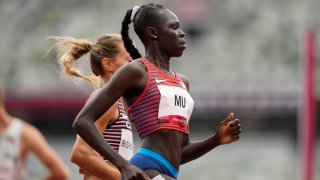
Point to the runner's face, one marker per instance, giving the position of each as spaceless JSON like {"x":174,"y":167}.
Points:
{"x":170,"y":35}
{"x":122,"y":58}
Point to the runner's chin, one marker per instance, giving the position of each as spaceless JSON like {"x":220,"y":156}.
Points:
{"x":180,"y":52}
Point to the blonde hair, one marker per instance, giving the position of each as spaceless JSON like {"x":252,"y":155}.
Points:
{"x":70,"y":49}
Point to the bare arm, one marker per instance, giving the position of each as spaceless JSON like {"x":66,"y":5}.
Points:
{"x":88,"y":159}
{"x":123,"y":80}
{"x":228,"y":131}
{"x":92,"y":163}
{"x":34,"y":141}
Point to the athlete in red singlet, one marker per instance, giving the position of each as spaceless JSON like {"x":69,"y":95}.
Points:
{"x":160,"y":105}
{"x":164,"y":104}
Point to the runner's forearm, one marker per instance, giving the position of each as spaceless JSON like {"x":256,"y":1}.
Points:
{"x":194,"y":150}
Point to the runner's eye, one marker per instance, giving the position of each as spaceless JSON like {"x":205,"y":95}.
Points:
{"x":175,"y":26}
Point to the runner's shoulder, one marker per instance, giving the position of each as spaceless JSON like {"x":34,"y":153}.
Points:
{"x":134,"y":68}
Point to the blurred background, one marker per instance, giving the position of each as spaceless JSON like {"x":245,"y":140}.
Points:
{"x":243,"y":56}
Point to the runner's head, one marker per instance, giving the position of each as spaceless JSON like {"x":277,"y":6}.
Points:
{"x":157,"y":27}
{"x":107,"y":54}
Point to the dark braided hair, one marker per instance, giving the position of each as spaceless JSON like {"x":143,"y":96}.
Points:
{"x":127,"y":41}
{"x":146,"y":16}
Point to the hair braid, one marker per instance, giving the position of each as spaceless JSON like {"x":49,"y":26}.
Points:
{"x":127,"y":41}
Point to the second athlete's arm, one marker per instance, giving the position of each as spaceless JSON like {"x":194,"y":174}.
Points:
{"x":91,"y":162}
{"x":88,"y":159}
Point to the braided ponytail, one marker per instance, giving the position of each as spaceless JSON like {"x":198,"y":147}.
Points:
{"x":127,"y":41}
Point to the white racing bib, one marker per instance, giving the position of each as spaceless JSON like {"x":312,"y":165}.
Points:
{"x":10,"y":152}
{"x":7,"y":160}
{"x":126,"y":144}
{"x":175,"y":102}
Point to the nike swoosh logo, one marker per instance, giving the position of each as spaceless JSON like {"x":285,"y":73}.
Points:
{"x":160,"y":80}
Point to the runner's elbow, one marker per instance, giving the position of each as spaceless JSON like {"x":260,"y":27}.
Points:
{"x":77,"y":155}
{"x":78,"y":125}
